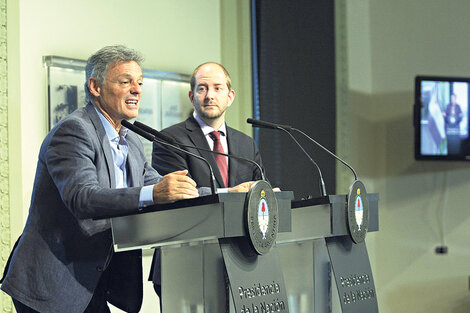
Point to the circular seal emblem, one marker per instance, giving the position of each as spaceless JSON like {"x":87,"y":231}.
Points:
{"x":262,"y":218}
{"x":358,"y":212}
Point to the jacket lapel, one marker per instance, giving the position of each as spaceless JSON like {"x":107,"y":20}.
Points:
{"x":233,"y":148}
{"x":132,"y":169}
{"x":198,"y":139}
{"x":108,"y":155}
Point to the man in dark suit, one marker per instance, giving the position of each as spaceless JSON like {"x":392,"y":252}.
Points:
{"x":89,"y":167}
{"x":211,"y":95}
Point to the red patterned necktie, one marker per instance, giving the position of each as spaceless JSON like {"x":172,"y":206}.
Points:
{"x":220,"y":159}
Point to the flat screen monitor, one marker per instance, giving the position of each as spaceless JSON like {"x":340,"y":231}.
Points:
{"x":441,"y":118}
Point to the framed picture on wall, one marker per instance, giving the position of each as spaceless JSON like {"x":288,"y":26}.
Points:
{"x":65,"y":79}
{"x":164,"y":94}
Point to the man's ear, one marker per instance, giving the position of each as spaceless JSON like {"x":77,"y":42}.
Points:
{"x":231,"y":97}
{"x":191,"y":96}
{"x":94,"y":87}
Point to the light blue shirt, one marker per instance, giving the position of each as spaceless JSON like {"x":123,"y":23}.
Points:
{"x":120,"y":150}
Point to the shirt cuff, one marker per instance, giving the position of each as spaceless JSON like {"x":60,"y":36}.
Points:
{"x":222,"y":190}
{"x":146,"y":196}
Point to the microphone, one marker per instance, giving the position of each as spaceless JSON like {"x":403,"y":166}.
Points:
{"x":153,"y":138}
{"x":286,"y":128}
{"x":156,"y":133}
{"x":289,"y":128}
{"x":267,"y":124}
{"x":167,"y":138}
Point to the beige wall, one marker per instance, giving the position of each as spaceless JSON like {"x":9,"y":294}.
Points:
{"x":389,"y":42}
{"x":173,"y":35}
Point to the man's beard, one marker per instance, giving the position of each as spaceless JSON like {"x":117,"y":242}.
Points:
{"x":208,"y":115}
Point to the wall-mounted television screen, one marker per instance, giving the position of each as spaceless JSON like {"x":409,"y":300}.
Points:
{"x":441,"y":118}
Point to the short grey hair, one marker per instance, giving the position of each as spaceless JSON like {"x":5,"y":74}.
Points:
{"x":98,"y":64}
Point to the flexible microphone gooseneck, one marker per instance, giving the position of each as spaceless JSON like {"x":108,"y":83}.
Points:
{"x":325,"y":149}
{"x":322,"y":182}
{"x":265,"y":124}
{"x":286,"y":128}
{"x":167,"y":138}
{"x":153,"y":138}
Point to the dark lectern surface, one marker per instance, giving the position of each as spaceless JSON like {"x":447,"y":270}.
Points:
{"x":190,"y":221}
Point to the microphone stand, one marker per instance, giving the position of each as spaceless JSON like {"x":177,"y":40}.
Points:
{"x":286,"y":128}
{"x":322,"y":182}
{"x":325,"y":149}
{"x":152,"y":138}
{"x":173,"y":141}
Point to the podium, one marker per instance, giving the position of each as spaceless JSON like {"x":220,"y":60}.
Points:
{"x":193,"y":271}
{"x":311,"y":265}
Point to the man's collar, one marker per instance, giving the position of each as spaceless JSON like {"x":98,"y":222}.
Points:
{"x":206,"y":129}
{"x":110,"y":130}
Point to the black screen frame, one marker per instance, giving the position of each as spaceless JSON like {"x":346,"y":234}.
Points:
{"x":464,"y":154}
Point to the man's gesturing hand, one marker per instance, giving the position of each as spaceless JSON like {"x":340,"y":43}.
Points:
{"x":174,"y":186}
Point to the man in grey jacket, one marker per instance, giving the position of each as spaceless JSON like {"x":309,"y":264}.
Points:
{"x":89,"y":167}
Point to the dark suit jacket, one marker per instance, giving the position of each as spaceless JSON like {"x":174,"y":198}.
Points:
{"x":188,"y":132}
{"x":166,"y":160}
{"x":62,"y":251}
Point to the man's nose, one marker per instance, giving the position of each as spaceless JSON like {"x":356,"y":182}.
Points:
{"x":210,"y":93}
{"x":136,"y":88}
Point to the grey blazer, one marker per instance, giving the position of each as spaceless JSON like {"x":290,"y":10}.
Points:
{"x":63,"y":251}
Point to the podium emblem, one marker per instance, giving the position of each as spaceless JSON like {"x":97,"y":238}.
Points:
{"x":359,"y":209}
{"x":263,"y":214}
{"x":358,"y":212}
{"x":262,"y":220}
